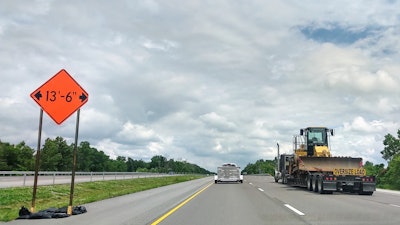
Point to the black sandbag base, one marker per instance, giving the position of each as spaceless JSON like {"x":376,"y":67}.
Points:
{"x":50,"y":213}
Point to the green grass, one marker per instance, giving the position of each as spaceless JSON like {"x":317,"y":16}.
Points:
{"x":11,"y":199}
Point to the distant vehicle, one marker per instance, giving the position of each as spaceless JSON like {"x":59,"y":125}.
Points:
{"x":311,"y":165}
{"x":228,"y":172}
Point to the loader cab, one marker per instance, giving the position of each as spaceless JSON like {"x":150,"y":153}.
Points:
{"x":316,"y":138}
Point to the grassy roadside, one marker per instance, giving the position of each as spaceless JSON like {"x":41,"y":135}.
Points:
{"x":11,"y":199}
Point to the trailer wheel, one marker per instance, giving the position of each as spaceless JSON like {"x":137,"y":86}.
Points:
{"x":320,"y":186}
{"x":315,"y":182}
{"x":284,"y":179}
{"x":309,"y":182}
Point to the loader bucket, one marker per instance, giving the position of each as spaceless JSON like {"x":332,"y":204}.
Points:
{"x":328,"y":164}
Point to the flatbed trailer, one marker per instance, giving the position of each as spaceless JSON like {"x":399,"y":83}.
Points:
{"x":328,"y":180}
{"x":312,"y":166}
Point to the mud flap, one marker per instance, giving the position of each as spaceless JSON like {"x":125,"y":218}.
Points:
{"x":367,"y":189}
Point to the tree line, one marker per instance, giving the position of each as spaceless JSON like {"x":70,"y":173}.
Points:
{"x":57,"y":155}
{"x":387,"y":178}
{"x":260,"y":167}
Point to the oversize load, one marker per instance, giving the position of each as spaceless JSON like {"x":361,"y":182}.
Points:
{"x":355,"y":172}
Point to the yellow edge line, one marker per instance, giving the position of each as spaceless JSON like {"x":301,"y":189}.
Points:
{"x":179,"y":206}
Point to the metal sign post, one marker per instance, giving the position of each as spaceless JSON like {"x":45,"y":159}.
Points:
{"x":37,"y":163}
{"x":71,"y":196}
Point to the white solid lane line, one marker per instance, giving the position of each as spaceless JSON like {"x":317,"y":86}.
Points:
{"x":294,"y":210}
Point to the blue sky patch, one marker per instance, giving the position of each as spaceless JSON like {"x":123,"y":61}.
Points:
{"x":335,"y":34}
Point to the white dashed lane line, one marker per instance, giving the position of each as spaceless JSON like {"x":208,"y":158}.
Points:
{"x":294,"y":210}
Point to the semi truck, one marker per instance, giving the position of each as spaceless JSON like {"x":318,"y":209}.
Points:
{"x":228,"y":172}
{"x":311,"y":165}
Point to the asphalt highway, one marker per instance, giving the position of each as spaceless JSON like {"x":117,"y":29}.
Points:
{"x":259,"y":200}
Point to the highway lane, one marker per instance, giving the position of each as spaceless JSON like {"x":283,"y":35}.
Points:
{"x":262,"y":201}
{"x":338,"y":208}
{"x":234,"y":204}
{"x":259,"y":200}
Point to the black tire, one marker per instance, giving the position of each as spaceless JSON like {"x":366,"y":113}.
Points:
{"x":315,"y":182}
{"x":284,"y":180}
{"x":309,"y":182}
{"x":320,"y":186}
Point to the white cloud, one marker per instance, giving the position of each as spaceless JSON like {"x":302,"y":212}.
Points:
{"x":217,"y":122}
{"x":109,"y":147}
{"x":360,"y":125}
{"x":133,"y":132}
{"x":163,"y":45}
{"x":177,"y":78}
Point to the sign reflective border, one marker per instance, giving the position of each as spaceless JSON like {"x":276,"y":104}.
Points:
{"x":60,"y":96}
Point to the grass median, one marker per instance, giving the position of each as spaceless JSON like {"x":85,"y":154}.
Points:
{"x":11,"y":199}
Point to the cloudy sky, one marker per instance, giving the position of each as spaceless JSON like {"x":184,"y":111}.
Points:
{"x":205,"y":81}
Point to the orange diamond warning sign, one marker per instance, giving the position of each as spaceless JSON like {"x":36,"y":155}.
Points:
{"x":60,"y":96}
